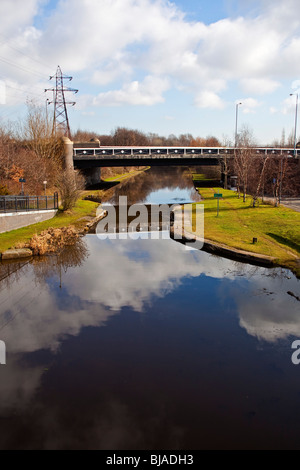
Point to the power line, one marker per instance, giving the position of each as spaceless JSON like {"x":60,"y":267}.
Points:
{"x":24,"y":69}
{"x":23,"y":90}
{"x":23,"y":53}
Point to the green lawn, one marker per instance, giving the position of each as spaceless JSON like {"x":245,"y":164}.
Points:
{"x":200,"y":177}
{"x":124,"y":176}
{"x":62,"y":219}
{"x":276,"y":228}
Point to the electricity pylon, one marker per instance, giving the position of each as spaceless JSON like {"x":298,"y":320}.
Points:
{"x":60,"y":117}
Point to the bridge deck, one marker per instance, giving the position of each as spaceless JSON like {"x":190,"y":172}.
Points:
{"x":140,"y":153}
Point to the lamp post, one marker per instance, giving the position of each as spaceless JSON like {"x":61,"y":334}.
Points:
{"x":45,"y":186}
{"x":296,"y":117}
{"x":47,"y":103}
{"x":236,"y":122}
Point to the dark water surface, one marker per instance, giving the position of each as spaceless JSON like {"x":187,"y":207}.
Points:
{"x":142,"y":344}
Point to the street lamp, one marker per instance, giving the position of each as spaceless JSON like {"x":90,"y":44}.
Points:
{"x":45,"y":186}
{"x":296,"y":117}
{"x":47,"y":103}
{"x":236,"y":121}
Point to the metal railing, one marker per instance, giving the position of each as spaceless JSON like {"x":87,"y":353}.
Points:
{"x":164,"y":152}
{"x":28,"y":203}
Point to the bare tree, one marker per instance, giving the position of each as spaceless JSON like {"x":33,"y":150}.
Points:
{"x":37,"y":133}
{"x":260,"y":180}
{"x":244,"y":160}
{"x":5,"y":140}
{"x":124,"y":136}
{"x":70,"y":185}
{"x":40,"y":151}
{"x":278,"y":170}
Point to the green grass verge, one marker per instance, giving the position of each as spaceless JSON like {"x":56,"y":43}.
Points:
{"x":201,"y":177}
{"x":124,"y":176}
{"x":276,"y":228}
{"x":62,"y":219}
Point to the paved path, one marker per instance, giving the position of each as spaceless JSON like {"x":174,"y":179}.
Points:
{"x":292,"y":203}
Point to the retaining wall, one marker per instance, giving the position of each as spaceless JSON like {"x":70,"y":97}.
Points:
{"x":15,"y":220}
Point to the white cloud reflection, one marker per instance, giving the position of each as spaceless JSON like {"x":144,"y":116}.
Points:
{"x":131,"y":274}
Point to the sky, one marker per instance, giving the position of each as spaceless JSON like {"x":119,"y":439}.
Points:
{"x":159,"y":66}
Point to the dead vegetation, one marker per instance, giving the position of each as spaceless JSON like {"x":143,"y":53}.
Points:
{"x":53,"y":240}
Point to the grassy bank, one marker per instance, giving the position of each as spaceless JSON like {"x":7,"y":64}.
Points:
{"x":277,"y":229}
{"x":76,"y":217}
{"x":124,"y":176}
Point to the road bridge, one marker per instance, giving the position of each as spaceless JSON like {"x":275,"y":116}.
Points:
{"x":91,"y":156}
{"x":86,"y":157}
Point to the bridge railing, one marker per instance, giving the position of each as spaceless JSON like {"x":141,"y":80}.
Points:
{"x":28,"y":203}
{"x":162,"y":152}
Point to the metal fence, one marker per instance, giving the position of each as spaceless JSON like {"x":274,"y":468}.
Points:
{"x":28,"y":203}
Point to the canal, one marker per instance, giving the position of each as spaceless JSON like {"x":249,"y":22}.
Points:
{"x":122,"y":344}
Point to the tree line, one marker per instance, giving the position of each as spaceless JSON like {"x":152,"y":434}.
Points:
{"x":133,"y":137}
{"x":28,"y":149}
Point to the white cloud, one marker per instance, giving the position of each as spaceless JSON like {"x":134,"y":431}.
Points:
{"x":259,"y":86}
{"x":94,"y":298}
{"x":273,"y":110}
{"x":15,"y":17}
{"x":105,"y":41}
{"x":88,"y":113}
{"x":289,"y":105}
{"x":262,"y":317}
{"x":147,"y":93}
{"x":296,"y":86}
{"x":117,"y":69}
{"x":209,"y":99}
{"x":155,"y":37}
{"x":249,"y":105}
{"x":2,"y":92}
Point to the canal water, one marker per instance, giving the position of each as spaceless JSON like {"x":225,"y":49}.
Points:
{"x":123,"y":344}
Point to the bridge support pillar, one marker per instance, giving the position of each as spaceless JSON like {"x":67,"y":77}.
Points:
{"x":68,"y":153}
{"x":92,"y":175}
{"x":224,"y":173}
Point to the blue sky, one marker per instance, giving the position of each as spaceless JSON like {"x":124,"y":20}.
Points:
{"x":168,"y":67}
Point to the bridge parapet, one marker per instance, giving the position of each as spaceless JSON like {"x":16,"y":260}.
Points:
{"x":164,"y":152}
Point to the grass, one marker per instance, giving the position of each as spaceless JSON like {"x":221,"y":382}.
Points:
{"x":62,"y":219}
{"x":200,"y":177}
{"x":124,"y":176}
{"x":276,"y":228}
